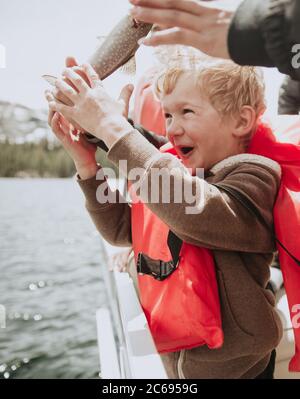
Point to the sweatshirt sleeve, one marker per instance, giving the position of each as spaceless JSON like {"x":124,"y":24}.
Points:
{"x":109,"y":211}
{"x":266,"y":33}
{"x":213,"y":220}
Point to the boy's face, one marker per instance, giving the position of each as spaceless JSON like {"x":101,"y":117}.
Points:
{"x":195,"y":128}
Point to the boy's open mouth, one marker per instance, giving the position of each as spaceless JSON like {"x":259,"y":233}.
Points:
{"x":185,"y":151}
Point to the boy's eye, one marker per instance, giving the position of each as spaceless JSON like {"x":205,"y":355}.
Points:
{"x":167,"y":116}
{"x":187,"y":111}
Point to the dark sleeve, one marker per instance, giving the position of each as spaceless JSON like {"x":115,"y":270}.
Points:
{"x":153,"y":138}
{"x":266,"y":33}
{"x":289,"y":97}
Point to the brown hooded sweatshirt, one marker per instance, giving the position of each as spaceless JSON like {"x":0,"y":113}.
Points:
{"x":242,"y":247}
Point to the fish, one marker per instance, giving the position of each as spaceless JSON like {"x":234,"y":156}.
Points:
{"x":50,"y":79}
{"x":117,"y":49}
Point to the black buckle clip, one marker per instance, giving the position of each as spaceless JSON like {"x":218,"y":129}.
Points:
{"x":158,"y":269}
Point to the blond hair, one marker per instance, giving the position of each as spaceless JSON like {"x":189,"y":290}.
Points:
{"x":227,"y":86}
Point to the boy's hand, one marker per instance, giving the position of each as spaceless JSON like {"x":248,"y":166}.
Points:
{"x":93,"y":108}
{"x":70,"y":62}
{"x":82,"y":152}
{"x":124,"y":99}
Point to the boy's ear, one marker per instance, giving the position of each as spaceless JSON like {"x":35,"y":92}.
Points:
{"x":245,"y":122}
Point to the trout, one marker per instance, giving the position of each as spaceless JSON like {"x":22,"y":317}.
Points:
{"x":118,"y":48}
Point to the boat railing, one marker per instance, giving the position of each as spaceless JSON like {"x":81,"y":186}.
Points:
{"x":126,"y":346}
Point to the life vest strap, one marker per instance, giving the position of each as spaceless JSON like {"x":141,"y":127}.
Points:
{"x":159,"y":269}
{"x":175,"y":245}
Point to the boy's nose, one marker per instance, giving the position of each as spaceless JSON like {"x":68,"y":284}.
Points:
{"x":174,"y":129}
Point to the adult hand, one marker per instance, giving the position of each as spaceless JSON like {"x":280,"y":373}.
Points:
{"x":93,"y":108}
{"x":200,"y":24}
{"x":82,"y":152}
{"x":119,"y":260}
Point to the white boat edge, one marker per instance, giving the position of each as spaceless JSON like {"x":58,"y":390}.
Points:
{"x":126,"y":347}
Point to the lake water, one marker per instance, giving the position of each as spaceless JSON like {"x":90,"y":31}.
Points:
{"x":51,"y":285}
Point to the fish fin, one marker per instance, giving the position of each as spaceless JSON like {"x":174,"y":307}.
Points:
{"x":50,"y":79}
{"x":129,"y":68}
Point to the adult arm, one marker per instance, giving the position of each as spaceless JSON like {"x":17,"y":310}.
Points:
{"x":264,"y":33}
{"x":289,"y":97}
{"x":259,"y":33}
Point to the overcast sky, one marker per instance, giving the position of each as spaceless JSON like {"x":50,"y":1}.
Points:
{"x":39,"y":34}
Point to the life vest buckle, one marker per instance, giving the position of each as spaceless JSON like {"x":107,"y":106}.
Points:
{"x":158,"y":269}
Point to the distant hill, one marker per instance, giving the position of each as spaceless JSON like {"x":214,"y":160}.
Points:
{"x":28,"y":148}
{"x":19,"y":123}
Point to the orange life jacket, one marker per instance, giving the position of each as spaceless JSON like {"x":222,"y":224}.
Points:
{"x":282,"y":144}
{"x":147,"y":109}
{"x":183,"y":311}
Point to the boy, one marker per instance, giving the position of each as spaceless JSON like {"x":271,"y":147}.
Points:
{"x":211,"y":115}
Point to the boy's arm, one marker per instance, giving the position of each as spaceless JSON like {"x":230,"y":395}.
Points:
{"x":112,"y":220}
{"x":222,"y":223}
